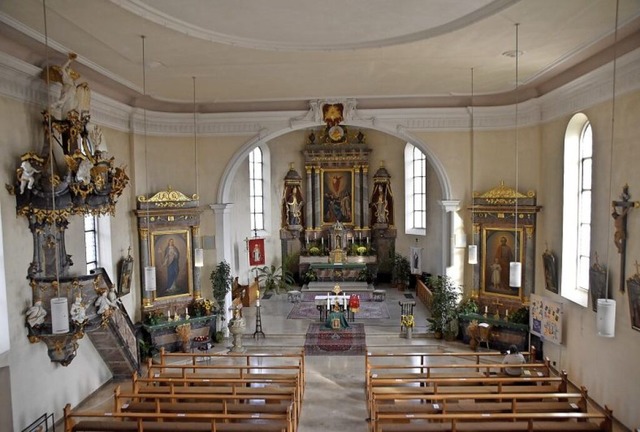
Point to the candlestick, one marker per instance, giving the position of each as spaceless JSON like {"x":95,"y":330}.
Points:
{"x":486,"y":309}
{"x":186,"y":311}
{"x":169,"y":314}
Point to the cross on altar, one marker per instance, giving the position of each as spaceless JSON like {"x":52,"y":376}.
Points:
{"x":619,"y":214}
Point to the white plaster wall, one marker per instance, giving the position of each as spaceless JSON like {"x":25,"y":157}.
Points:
{"x":606,"y":366}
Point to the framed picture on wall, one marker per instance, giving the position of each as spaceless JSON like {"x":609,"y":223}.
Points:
{"x":501,"y":246}
{"x":126,"y":270}
{"x":633,"y":290}
{"x":550,"y":271}
{"x":256,"y":252}
{"x":597,"y":284}
{"x":337,"y":191}
{"x":171,"y":256}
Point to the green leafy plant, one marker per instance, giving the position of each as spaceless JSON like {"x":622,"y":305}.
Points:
{"x":401,"y":270}
{"x":468,"y":306}
{"x":443,"y":308}
{"x":310,"y":276}
{"x":274,"y":278}
{"x":221,"y":283}
{"x":521,"y":316}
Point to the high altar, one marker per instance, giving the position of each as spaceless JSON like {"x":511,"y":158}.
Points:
{"x":331,"y":216}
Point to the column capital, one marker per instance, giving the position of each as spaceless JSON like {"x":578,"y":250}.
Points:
{"x":450,"y":205}
{"x":221,"y":208}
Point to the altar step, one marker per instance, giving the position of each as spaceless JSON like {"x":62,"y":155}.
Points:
{"x":327,"y":286}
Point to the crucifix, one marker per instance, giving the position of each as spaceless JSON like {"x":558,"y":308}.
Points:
{"x":619,"y":214}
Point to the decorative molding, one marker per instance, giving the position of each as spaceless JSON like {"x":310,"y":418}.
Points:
{"x":20,"y":81}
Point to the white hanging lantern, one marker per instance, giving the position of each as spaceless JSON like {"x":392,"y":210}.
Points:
{"x":473,"y":254}
{"x":59,"y":315}
{"x":515,"y":274}
{"x":606,"y":318}
{"x":198,"y":257}
{"x":150,"y":278}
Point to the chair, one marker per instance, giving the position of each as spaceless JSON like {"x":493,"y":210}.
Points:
{"x":294,"y":296}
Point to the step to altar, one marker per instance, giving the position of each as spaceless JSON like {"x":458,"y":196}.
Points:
{"x":347,"y":286}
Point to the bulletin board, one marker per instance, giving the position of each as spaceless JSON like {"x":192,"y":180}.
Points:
{"x":545,"y":319}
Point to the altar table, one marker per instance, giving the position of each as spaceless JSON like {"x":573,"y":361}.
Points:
{"x":343,"y":302}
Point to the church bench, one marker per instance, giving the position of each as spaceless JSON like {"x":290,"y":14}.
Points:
{"x":462,"y":386}
{"x":250,"y":363}
{"x":503,"y":422}
{"x":407,"y":404}
{"x":207,"y":402}
{"x":395,"y":371}
{"x":81,"y":421}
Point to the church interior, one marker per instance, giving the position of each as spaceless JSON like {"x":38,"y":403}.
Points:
{"x":415,"y":176}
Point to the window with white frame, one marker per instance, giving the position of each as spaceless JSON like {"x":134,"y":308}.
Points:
{"x":256,"y":190}
{"x":415,"y":173}
{"x":91,"y":241}
{"x":576,"y":217}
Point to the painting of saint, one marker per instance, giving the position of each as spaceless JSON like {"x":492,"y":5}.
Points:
{"x":171,"y":257}
{"x":499,"y":251}
{"x":337,"y":196}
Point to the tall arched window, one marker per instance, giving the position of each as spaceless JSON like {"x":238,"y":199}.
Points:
{"x":91,"y":241}
{"x":576,"y":217}
{"x":256,"y":190}
{"x":415,"y":175}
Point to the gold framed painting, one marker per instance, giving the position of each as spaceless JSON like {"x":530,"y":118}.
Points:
{"x":337,"y":189}
{"x":501,"y":246}
{"x":171,"y":256}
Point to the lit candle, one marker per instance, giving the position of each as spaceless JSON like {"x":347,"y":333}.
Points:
{"x":486,"y":309}
{"x":344,"y":302}
{"x":328,"y":301}
{"x":186,"y":311}
{"x":168,"y":314}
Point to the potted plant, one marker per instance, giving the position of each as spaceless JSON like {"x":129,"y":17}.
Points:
{"x":221,"y":283}
{"x":443,"y":308}
{"x":184,"y":336}
{"x":401,"y":271}
{"x":274,"y":278}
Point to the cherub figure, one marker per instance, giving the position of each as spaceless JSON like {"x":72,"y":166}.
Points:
{"x":36,"y":314}
{"x":26,"y":175}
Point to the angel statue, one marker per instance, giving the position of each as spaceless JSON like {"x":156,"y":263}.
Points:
{"x":72,"y":96}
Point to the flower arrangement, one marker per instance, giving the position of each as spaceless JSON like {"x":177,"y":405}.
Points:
{"x":184,"y":332}
{"x":202,"y":307}
{"x":314,"y":250}
{"x":407,"y":321}
{"x":361,"y":250}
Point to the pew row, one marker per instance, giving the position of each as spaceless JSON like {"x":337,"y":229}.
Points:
{"x":85,"y":421}
{"x":388,"y":406}
{"x":502,"y":422}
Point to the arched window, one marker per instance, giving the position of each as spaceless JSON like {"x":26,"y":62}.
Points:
{"x":415,"y":175}
{"x":91,"y":241}
{"x":256,"y":190}
{"x":576,"y":217}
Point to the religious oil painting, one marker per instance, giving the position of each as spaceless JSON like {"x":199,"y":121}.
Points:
{"x":597,"y":284}
{"x":337,"y":196}
{"x":633,"y":290}
{"x":550,"y":271}
{"x":501,"y":247}
{"x":171,"y":256}
{"x":126,"y":270}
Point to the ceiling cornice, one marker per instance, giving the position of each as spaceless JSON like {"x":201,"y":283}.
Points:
{"x":20,"y":80}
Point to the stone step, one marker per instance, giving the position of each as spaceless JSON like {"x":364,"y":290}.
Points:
{"x":327,"y":286}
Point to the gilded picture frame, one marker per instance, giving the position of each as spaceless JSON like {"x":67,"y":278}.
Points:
{"x":337,"y":189}
{"x":171,"y":256}
{"x":500,"y":247}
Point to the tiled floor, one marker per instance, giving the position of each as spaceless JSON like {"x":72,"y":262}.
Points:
{"x":334,"y":398}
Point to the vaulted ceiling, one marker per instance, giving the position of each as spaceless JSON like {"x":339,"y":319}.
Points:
{"x":249,"y":55}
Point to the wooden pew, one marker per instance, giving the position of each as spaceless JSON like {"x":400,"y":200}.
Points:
{"x":253,"y":363}
{"x":209,"y":402}
{"x":503,"y":422}
{"x":473,"y":385}
{"x":390,"y":405}
{"x":248,"y":388}
{"x":84,"y":421}
{"x":427,"y":362}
